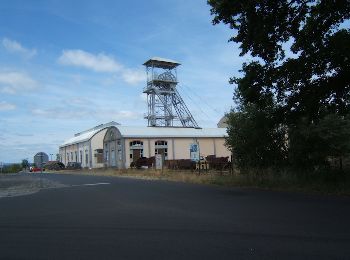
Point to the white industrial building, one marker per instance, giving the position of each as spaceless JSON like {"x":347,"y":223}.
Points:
{"x":171,"y":129}
{"x":125,"y":144}
{"x":86,"y":147}
{"x":114,"y":145}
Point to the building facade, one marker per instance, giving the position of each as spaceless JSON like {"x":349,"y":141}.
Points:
{"x":114,"y":145}
{"x":86,"y":147}
{"x":125,"y":144}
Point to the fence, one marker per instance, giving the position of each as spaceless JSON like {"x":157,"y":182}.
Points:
{"x":210,"y":163}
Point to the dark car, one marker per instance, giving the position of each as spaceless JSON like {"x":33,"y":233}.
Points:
{"x":73,"y":166}
{"x":54,"y":166}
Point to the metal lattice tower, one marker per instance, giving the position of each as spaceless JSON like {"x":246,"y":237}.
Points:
{"x":165,"y":105}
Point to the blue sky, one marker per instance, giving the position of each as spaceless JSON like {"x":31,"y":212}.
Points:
{"x":66,"y":66}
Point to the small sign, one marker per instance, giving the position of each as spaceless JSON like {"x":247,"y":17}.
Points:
{"x":159,"y":161}
{"x":194,"y":152}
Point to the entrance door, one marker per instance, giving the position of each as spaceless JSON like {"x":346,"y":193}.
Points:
{"x":113,"y":161}
{"x":136,"y":154}
{"x":161,"y":151}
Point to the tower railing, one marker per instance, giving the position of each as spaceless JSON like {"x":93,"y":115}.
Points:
{"x":165,"y":104}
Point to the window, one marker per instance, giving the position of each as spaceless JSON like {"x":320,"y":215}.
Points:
{"x":81,"y":156}
{"x":71,"y":156}
{"x":161,"y":147}
{"x":136,"y":143}
{"x":86,"y":157}
{"x":67,"y":157}
{"x":111,"y":136}
{"x":99,"y":155}
{"x":136,"y":150}
{"x":76,"y":156}
{"x":159,"y":143}
{"x":162,"y":151}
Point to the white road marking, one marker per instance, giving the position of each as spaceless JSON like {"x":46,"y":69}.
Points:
{"x":91,"y":184}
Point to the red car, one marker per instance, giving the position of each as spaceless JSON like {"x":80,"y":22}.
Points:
{"x":35,"y":169}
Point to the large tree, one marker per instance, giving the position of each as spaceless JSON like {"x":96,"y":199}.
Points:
{"x":301,"y":58}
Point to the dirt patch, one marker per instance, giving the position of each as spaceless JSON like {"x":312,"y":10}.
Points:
{"x":17,"y":185}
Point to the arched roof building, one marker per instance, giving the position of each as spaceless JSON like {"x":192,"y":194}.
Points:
{"x":86,"y":147}
{"x":115,"y":145}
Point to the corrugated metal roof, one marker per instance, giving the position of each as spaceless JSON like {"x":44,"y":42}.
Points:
{"x":164,"y":60}
{"x":80,"y":138}
{"x":101,"y":126}
{"x":161,"y":62}
{"x":86,"y":135}
{"x":153,"y":132}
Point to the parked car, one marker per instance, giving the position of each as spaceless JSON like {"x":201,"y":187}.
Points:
{"x":35,"y":169}
{"x":54,"y":166}
{"x":73,"y":166}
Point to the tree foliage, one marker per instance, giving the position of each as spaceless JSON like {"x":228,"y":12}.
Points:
{"x":300,"y":67}
{"x":13,"y":168}
{"x":314,"y":144}
{"x":255,"y":139}
{"x":25,"y":163}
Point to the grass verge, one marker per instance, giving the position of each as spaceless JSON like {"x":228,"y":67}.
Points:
{"x":320,"y":183}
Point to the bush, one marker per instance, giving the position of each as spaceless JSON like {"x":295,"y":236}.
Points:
{"x":13,"y":168}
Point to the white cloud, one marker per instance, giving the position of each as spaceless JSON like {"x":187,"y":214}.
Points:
{"x":98,"y":63}
{"x":16,"y":82}
{"x":101,"y":63}
{"x":6,"y":106}
{"x":73,"y":112}
{"x":127,"y":115}
{"x":16,"y":47}
{"x":61,"y":113}
{"x":133,"y":77}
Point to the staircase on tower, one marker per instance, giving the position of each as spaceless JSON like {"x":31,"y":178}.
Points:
{"x":166,"y":108}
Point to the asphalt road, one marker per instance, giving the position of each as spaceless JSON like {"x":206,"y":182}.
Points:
{"x":91,"y":217}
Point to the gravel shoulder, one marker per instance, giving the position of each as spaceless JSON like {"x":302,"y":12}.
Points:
{"x":19,"y":185}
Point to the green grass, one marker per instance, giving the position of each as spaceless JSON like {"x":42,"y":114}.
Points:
{"x":336,"y":183}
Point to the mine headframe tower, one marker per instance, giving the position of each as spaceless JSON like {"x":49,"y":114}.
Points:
{"x":165,"y":105}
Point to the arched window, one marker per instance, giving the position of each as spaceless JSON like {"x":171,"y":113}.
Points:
{"x":161,"y":147}
{"x":160,"y":143}
{"x":136,"y":143}
{"x":136,"y":150}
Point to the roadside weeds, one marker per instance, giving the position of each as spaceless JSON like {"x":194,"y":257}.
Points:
{"x":282,"y":182}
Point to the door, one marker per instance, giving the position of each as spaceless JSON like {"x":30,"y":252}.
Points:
{"x":113,"y":161}
{"x":135,"y":155}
